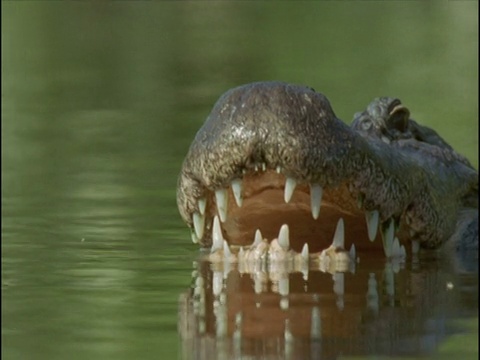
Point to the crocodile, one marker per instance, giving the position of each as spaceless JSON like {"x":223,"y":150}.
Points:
{"x":273,"y":155}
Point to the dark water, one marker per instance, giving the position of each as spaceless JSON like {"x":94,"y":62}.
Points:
{"x":99,"y":104}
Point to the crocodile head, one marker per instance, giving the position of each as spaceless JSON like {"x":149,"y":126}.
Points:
{"x":272,"y":153}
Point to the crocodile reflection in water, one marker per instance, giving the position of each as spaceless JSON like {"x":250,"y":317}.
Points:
{"x":278,"y":188}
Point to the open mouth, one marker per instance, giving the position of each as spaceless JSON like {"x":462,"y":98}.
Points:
{"x":263,"y":200}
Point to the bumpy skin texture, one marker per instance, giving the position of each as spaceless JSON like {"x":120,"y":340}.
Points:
{"x":404,"y":170}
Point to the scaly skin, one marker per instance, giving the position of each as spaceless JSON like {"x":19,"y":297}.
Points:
{"x":385,"y":161}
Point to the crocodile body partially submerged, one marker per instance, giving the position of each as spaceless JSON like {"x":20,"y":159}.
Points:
{"x":272,"y":153}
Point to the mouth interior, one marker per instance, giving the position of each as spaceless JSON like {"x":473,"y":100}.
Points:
{"x":264,"y":208}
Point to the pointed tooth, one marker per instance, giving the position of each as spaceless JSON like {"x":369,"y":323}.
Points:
{"x":305,"y":252}
{"x":372,"y":223}
{"x":198,"y":224}
{"x":395,"y":248}
{"x":241,"y":253}
{"x":221,"y":197}
{"x":237,"y":191}
{"x":403,"y":252}
{"x":258,"y":238}
{"x":217,"y":237}
{"x":353,"y":252}
{"x":279,"y":169}
{"x":194,"y":238}
{"x":256,"y":168}
{"x":202,"y":204}
{"x":226,"y":250}
{"x":264,"y":166}
{"x":388,"y":234}
{"x":315,"y":199}
{"x":283,"y":237}
{"x":290,"y":184}
{"x":415,"y":246}
{"x":339,"y":237}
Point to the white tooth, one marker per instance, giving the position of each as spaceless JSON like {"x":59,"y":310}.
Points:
{"x":198,"y":224}
{"x":237,"y":191}
{"x":415,"y":246}
{"x":353,"y":252}
{"x":289,"y":187}
{"x":395,"y":248}
{"x":202,"y":204}
{"x":339,"y":237}
{"x":372,"y":223}
{"x":217,"y":237}
{"x":305,"y":251}
{"x":264,"y":166}
{"x":338,"y":283}
{"x":226,"y":250}
{"x":194,"y":238}
{"x":221,"y":196}
{"x":388,"y":235}
{"x":279,"y":169}
{"x":316,"y":327}
{"x":403,"y":252}
{"x":315,"y":199}
{"x":244,"y":171}
{"x":241,"y":253}
{"x":283,"y":237}
{"x":258,"y":238}
{"x":256,"y":168}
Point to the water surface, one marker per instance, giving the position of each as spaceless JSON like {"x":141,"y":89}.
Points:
{"x":100,"y":102}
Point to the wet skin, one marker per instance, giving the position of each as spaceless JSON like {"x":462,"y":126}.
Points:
{"x":272,"y":153}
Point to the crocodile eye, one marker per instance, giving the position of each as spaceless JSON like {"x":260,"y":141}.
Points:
{"x":398,"y":118}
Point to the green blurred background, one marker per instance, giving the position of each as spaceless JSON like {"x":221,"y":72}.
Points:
{"x":100,"y":102}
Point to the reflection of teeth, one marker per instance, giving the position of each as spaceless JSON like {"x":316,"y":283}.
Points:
{"x":217,"y":282}
{"x":353,"y":252}
{"x":217,"y":237}
{"x":403,"y":252}
{"x":372,"y":223}
{"x":339,"y":237}
{"x":305,"y":252}
{"x":283,"y":237}
{"x":264,"y":166}
{"x":388,"y":234}
{"x":339,"y":283}
{"x":284,"y":286}
{"x":396,"y":250}
{"x":316,"y":327}
{"x":198,"y":224}
{"x":290,"y":184}
{"x":415,"y":246}
{"x":279,"y":169}
{"x":237,"y":191}
{"x":372,"y":293}
{"x":221,"y":196}
{"x":389,"y":279}
{"x":315,"y":199}
{"x":202,"y":204}
{"x":258,"y":238}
